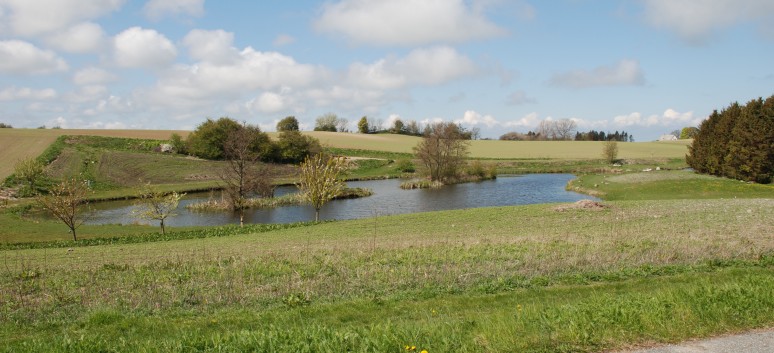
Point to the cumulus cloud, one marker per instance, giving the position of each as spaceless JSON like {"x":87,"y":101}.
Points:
{"x":519,"y":97}
{"x":13,"y":93}
{"x":670,"y":117}
{"x":696,"y":20}
{"x":86,"y":37}
{"x":251,"y":70}
{"x":42,"y":17}
{"x":473,"y":118}
{"x":93,"y":76}
{"x":156,"y":9}
{"x":20,"y":57}
{"x":268,"y":102}
{"x":406,"y":22}
{"x":431,"y":66}
{"x":143,"y":48}
{"x":211,"y":46}
{"x":623,"y":73}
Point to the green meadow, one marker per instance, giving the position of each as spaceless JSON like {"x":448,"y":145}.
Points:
{"x":667,"y":255}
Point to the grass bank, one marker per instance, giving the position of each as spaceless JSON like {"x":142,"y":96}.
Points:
{"x":531,"y":277}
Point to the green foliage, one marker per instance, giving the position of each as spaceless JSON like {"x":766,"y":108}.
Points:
{"x":29,"y":170}
{"x":289,"y":123}
{"x":294,"y":147}
{"x":178,"y":144}
{"x":688,"y":132}
{"x":610,"y":151}
{"x":320,"y":180}
{"x":362,"y":126}
{"x":208,"y":139}
{"x":5,"y":126}
{"x":406,"y":166}
{"x":738,"y":142}
{"x":398,"y":127}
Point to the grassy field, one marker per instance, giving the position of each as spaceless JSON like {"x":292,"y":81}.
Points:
{"x":530,"y":278}
{"x":670,"y":255}
{"x":24,"y":143}
{"x":17,"y":144}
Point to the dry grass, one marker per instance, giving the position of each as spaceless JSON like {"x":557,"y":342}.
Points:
{"x":456,"y":250}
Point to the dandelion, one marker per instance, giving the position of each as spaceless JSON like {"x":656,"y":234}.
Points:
{"x":518,"y":307}
{"x":423,"y":351}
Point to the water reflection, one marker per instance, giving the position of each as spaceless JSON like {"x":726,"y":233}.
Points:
{"x":388,"y":199}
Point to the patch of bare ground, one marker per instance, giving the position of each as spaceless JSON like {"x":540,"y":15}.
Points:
{"x":582,"y":205}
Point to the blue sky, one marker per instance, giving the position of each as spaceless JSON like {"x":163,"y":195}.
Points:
{"x":647,"y":67}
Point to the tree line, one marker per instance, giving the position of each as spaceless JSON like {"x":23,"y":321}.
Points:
{"x":737,"y":142}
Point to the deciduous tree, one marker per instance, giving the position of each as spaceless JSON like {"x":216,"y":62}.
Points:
{"x":155,"y":205}
{"x":289,"y":123}
{"x":610,"y":150}
{"x":65,"y":201}
{"x":442,"y":150}
{"x":320,"y":180}
{"x":362,"y":125}
{"x":241,"y":174}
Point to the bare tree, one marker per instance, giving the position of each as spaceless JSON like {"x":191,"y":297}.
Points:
{"x":565,"y":129}
{"x":65,"y":201}
{"x":153,"y":204}
{"x":442,"y":150}
{"x":241,"y":175}
{"x":342,"y":125}
{"x":320,"y":180}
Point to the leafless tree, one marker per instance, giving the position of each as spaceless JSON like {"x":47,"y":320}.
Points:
{"x":241,"y":174}
{"x":565,"y":129}
{"x":65,"y":201}
{"x":442,"y":150}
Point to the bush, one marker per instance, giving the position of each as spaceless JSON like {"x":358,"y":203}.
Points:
{"x":406,"y":166}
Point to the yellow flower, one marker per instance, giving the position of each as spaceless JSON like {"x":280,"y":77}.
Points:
{"x":518,"y":307}
{"x":423,"y":351}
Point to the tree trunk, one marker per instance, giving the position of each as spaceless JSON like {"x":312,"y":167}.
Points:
{"x":316,"y":214}
{"x":162,"y":227}
{"x":72,"y":229}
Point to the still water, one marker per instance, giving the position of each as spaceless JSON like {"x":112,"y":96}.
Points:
{"x":388,"y":199}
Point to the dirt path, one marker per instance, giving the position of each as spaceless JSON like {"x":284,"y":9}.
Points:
{"x":759,"y":341}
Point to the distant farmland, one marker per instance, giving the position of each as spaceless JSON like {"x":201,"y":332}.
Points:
{"x":22,"y":143}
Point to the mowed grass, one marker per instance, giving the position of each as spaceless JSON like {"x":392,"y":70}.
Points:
{"x":527,"y":278}
{"x":667,"y":184}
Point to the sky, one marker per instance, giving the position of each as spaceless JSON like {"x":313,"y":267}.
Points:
{"x":647,"y":67}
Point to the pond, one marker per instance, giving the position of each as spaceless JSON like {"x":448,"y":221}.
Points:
{"x":388,"y":199}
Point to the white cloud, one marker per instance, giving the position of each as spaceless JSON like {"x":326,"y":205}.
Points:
{"x":13,"y":93}
{"x":156,"y":9}
{"x":430,"y":66}
{"x":474,"y":118}
{"x":211,"y":46}
{"x":19,"y":57}
{"x":143,"y":48}
{"x":268,"y":102}
{"x":86,"y":37}
{"x":623,"y":73}
{"x":93,"y":76}
{"x":670,"y":117}
{"x":519,"y":97}
{"x":41,"y":17}
{"x":696,"y":20}
{"x":530,"y":120}
{"x":283,"y":39}
{"x":406,"y":22}
{"x":201,"y":84}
